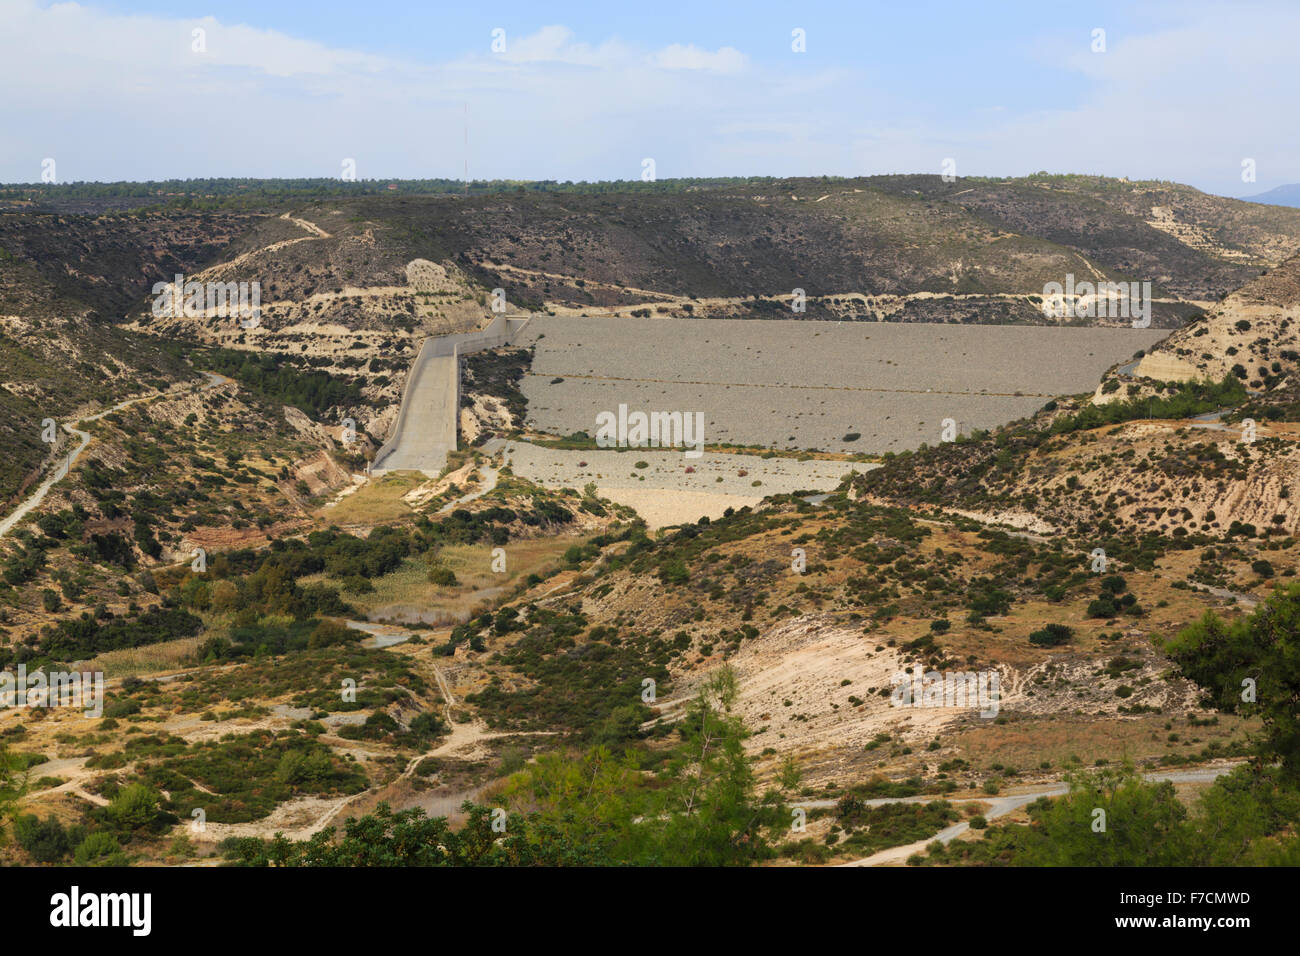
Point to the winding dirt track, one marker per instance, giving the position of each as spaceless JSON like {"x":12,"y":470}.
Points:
{"x":33,"y":500}
{"x":1000,"y":806}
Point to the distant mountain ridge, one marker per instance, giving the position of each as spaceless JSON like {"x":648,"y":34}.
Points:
{"x":1287,"y":195}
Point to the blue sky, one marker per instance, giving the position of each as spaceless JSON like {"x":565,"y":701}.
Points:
{"x":116,"y":90}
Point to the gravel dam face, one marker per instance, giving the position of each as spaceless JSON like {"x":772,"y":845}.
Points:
{"x":798,"y":384}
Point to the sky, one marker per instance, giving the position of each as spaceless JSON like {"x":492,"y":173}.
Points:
{"x":126,"y":89}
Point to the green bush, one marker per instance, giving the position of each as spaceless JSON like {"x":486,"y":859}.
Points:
{"x":428,"y":726}
{"x":134,"y":807}
{"x":1102,"y":607}
{"x":47,"y":841}
{"x":442,"y":576}
{"x":1053,"y":635}
{"x":674,"y":572}
{"x":100,"y":849}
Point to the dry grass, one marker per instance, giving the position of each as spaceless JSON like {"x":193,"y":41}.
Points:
{"x":409,"y":586}
{"x":524,"y":557}
{"x":378,"y":501}
{"x":1024,"y":744}
{"x":131,"y":661}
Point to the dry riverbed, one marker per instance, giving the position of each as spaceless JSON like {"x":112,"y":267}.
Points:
{"x":665,"y":492}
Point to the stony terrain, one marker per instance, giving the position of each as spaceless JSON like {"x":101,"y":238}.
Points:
{"x":796,"y":384}
{"x":671,"y":488}
{"x":1250,"y":334}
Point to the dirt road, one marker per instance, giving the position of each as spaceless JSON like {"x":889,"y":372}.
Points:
{"x":61,"y":472}
{"x":1001,"y":806}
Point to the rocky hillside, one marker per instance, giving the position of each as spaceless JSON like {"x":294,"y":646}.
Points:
{"x":993,"y":242}
{"x":1198,"y":438}
{"x":1189,"y":243}
{"x":1253,"y":334}
{"x":350,"y":286}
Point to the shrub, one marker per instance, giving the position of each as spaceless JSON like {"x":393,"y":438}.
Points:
{"x":299,"y":767}
{"x":124,"y":707}
{"x":442,"y":576}
{"x":330,"y":633}
{"x":428,"y":725}
{"x":45,"y":840}
{"x":100,"y":849}
{"x":1102,"y":607}
{"x":1053,"y":635}
{"x":674,"y":572}
{"x":134,"y":807}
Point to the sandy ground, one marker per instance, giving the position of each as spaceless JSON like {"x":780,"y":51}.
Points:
{"x":664,"y":492}
{"x":661,"y":508}
{"x":806,"y":661}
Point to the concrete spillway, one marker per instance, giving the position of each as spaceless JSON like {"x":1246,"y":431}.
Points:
{"x":425,"y":430}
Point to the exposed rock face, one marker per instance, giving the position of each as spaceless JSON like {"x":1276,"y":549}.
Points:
{"x":427,"y":277}
{"x":1246,"y":334}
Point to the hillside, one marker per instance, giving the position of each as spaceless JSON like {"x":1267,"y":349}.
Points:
{"x":506,"y":619}
{"x":881,"y":237}
{"x":1189,"y":244}
{"x":64,"y":279}
{"x":660,"y":243}
{"x":1158,"y":447}
{"x":1252,"y":334}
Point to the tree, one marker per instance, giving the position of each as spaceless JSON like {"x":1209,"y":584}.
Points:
{"x":13,"y":783}
{"x":595,"y":798}
{"x":409,"y":838}
{"x":45,"y":840}
{"x":583,"y":809}
{"x":711,"y":814}
{"x":100,"y":849}
{"x":1236,"y":816}
{"x":1252,"y":667}
{"x":1143,"y":824}
{"x":1244,"y":818}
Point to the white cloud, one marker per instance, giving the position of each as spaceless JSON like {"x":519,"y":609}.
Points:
{"x":557,"y":44}
{"x":112,"y":96}
{"x":690,"y":57}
